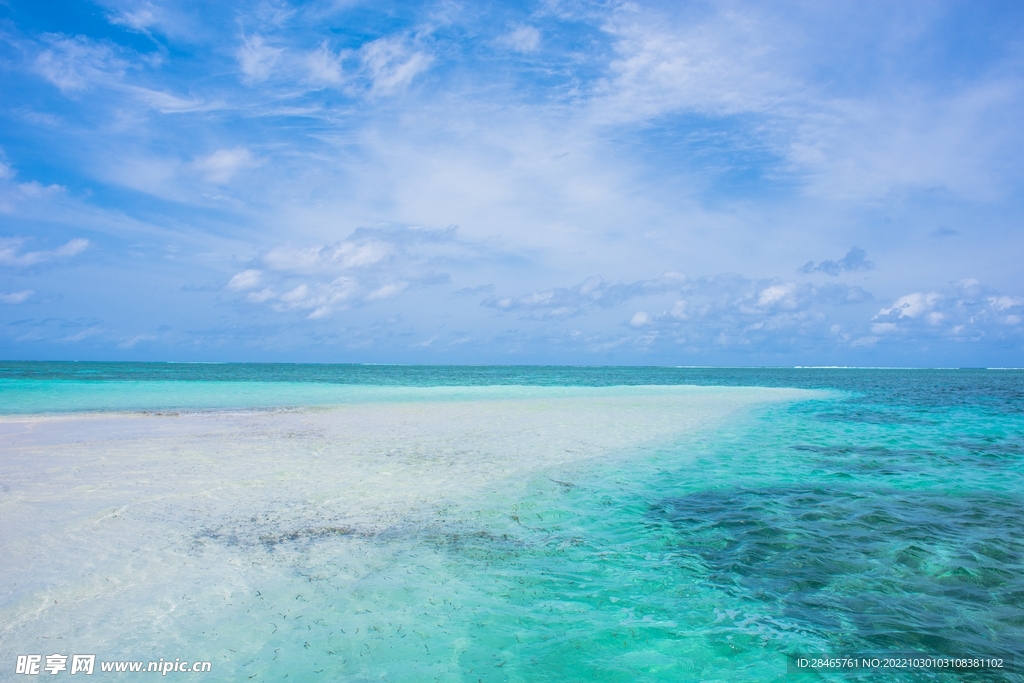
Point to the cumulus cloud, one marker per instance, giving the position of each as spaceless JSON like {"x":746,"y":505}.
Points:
{"x":741,"y":294}
{"x":11,"y":253}
{"x":781,"y":294}
{"x":370,"y":266}
{"x":855,"y":260}
{"x":967,"y":310}
{"x":632,"y":136}
{"x":345,"y":254}
{"x":726,"y":310}
{"x":912,"y":306}
{"x":320,"y":299}
{"x":592,"y":292}
{"x":1005,"y":303}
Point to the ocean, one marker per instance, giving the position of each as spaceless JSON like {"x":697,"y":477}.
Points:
{"x":476,"y":524}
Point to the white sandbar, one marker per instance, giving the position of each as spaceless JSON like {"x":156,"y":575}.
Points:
{"x":132,"y":533}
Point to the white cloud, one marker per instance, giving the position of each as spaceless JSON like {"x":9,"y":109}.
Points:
{"x":522,"y":39}
{"x":324,"y":66}
{"x":15,"y":195}
{"x":391,"y":65}
{"x":426,"y":343}
{"x":259,"y":297}
{"x":387,"y":291}
{"x":34,"y":189}
{"x":16,"y":297}
{"x":169,"y":103}
{"x":174,"y":20}
{"x":78,"y":64}
{"x":79,"y":336}
{"x":297,"y":295}
{"x":779,"y":294}
{"x":257,"y":59}
{"x":912,"y":305}
{"x":892,"y":132}
{"x":1004,"y":303}
{"x":883,"y":328}
{"x":350,"y":255}
{"x":370,"y":265}
{"x":131,"y":342}
{"x":274,"y":12}
{"x":968,"y":311}
{"x":640,"y":319}
{"x":626,"y":153}
{"x":320,"y":299}
{"x":12,"y":255}
{"x":855,"y":259}
{"x":245,"y":280}
{"x":345,"y":254}
{"x":722,"y":64}
{"x":592,"y":292}
{"x":221,"y":166}
{"x":75,"y":64}
{"x":727,"y":310}
{"x":140,"y":17}
{"x":864,"y":342}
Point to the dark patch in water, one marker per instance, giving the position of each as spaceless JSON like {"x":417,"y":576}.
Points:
{"x":887,"y":569}
{"x":309,"y":534}
{"x":884,"y":460}
{"x":990,"y":447}
{"x":867,"y":416}
{"x":481,"y":546}
{"x":265,"y":531}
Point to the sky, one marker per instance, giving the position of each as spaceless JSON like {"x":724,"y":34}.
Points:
{"x":553,"y":182}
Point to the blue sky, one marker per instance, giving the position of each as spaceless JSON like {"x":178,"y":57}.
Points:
{"x":550,"y":182}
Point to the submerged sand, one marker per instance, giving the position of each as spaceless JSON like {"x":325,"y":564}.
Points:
{"x":151,"y":534}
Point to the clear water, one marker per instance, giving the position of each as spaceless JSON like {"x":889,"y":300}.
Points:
{"x":882,"y":511}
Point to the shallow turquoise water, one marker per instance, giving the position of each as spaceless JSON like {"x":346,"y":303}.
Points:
{"x":883,"y":515}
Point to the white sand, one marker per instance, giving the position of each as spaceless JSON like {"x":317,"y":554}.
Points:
{"x":142,"y":535}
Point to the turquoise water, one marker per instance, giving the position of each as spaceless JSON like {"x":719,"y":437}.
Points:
{"x":882,"y":513}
